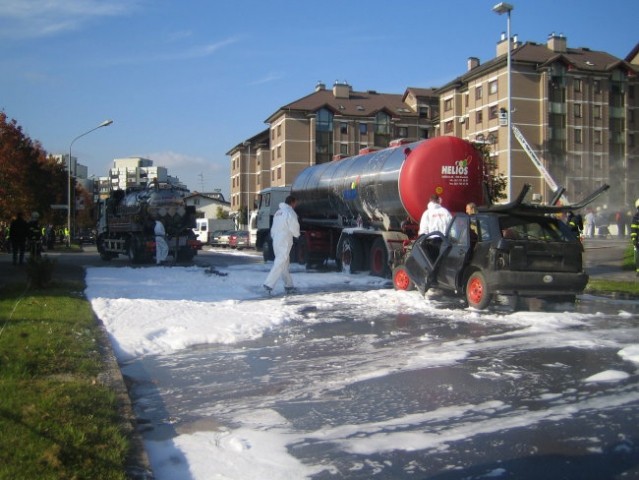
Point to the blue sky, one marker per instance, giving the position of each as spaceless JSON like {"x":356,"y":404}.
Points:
{"x":185,"y":81}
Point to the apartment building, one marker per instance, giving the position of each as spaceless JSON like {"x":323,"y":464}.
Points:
{"x":577,"y":109}
{"x":327,"y":124}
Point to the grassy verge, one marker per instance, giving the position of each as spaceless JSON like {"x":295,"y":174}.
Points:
{"x":616,"y":287}
{"x":57,"y":419}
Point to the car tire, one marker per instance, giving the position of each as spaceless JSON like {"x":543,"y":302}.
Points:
{"x":477,"y":292}
{"x":401,"y":280}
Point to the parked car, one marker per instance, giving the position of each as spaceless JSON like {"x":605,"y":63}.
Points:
{"x":515,"y":249}
{"x":221,"y":238}
{"x":240,"y":239}
{"x":84,"y":236}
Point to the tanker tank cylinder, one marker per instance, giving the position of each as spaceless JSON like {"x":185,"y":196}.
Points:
{"x":389,"y":186}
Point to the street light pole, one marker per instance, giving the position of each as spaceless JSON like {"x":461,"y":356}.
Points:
{"x":106,"y":123}
{"x":500,"y":9}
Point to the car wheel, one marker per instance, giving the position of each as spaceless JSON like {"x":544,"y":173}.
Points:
{"x":477,"y":293}
{"x":401,"y":280}
{"x":267,"y":250}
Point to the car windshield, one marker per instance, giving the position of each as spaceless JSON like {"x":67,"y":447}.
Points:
{"x":533,"y":228}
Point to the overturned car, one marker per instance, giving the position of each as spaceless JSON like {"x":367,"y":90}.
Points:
{"x":516,"y":249}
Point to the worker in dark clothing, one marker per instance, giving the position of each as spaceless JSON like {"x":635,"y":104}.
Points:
{"x":18,"y":232}
{"x":34,"y":235}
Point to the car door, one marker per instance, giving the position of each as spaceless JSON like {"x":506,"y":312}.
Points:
{"x":455,"y":251}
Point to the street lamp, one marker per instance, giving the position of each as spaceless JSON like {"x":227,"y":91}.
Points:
{"x":106,"y":123}
{"x":500,"y":9}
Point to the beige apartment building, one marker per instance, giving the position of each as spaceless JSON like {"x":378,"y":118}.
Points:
{"x":326,"y":125}
{"x":576,"y":108}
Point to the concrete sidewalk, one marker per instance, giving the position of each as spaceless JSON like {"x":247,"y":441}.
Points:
{"x":603,"y":259}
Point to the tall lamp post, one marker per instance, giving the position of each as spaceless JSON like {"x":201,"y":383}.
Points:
{"x":500,"y":9}
{"x":106,"y":123}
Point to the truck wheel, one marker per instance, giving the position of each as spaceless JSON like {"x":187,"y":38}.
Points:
{"x":350,"y":254}
{"x":133,"y":251}
{"x":477,"y":293}
{"x":401,"y":280}
{"x":379,"y":259}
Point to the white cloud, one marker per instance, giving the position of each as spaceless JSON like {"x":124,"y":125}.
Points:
{"x":40,"y":18}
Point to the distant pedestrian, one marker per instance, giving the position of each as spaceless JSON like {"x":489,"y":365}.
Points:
{"x":471,"y":208}
{"x":590,"y":224}
{"x":18,"y":233}
{"x":161,"y":247}
{"x":285,"y":228}
{"x":34,"y":235}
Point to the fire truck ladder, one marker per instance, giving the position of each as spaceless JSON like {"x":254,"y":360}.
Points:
{"x":538,"y":163}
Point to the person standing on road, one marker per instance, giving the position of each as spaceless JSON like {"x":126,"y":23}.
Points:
{"x":590,"y":224}
{"x":18,"y":232}
{"x":285,"y":227}
{"x":634,"y":235}
{"x":161,"y":247}
{"x":435,"y":217}
{"x":34,"y":235}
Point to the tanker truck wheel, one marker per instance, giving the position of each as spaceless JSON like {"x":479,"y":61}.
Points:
{"x":401,"y":280}
{"x":350,"y":254}
{"x":379,"y":259}
{"x":267,"y":250}
{"x":133,"y":251}
{"x":477,"y":293}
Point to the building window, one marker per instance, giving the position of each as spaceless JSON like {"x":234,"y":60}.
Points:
{"x":279,"y":152}
{"x":448,"y":104}
{"x":343,"y":128}
{"x":478,"y":93}
{"x":492,"y":87}
{"x":343,"y":148}
{"x":424,"y":112}
{"x":631,"y":92}
{"x":448,"y":127}
{"x":578,"y":135}
{"x":493,"y":112}
{"x":279,"y":130}
{"x":578,"y":112}
{"x":597,"y":111}
{"x":596,"y":86}
{"x":382,"y":123}
{"x":402,"y":132}
{"x":597,"y":137}
{"x":631,"y":139}
{"x":279,"y":173}
{"x":273,"y":134}
{"x":479,"y":116}
{"x":578,"y":84}
{"x":363,"y":128}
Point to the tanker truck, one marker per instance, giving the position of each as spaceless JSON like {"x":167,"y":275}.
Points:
{"x":362,"y":211}
{"x":126,"y":220}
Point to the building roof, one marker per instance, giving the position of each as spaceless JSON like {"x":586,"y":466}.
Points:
{"x":583,"y":59}
{"x":356,"y":104}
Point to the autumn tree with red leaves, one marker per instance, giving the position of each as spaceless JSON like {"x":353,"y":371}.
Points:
{"x":29,"y":179}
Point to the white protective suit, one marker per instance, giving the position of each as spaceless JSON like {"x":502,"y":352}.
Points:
{"x":285,"y":227}
{"x":161,"y":247}
{"x":434,"y":218}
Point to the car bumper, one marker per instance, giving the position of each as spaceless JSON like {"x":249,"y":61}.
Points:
{"x":537,"y":283}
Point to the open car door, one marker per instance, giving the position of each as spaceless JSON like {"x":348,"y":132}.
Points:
{"x":455,"y":252}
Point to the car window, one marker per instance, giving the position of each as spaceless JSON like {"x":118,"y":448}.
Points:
{"x":532,"y":228}
{"x":458,"y":231}
{"x":483,"y":229}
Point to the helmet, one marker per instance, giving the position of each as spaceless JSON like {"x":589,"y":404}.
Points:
{"x":637,"y":203}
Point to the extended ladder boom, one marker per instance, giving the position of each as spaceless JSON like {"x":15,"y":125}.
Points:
{"x":540,"y":166}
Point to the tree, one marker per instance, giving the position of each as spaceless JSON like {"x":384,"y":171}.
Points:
{"x":496,"y":182}
{"x":29,"y":180}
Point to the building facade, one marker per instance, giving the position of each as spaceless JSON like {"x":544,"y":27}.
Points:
{"x":577,"y":109}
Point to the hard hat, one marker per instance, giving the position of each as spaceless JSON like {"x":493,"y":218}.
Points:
{"x":637,"y":203}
